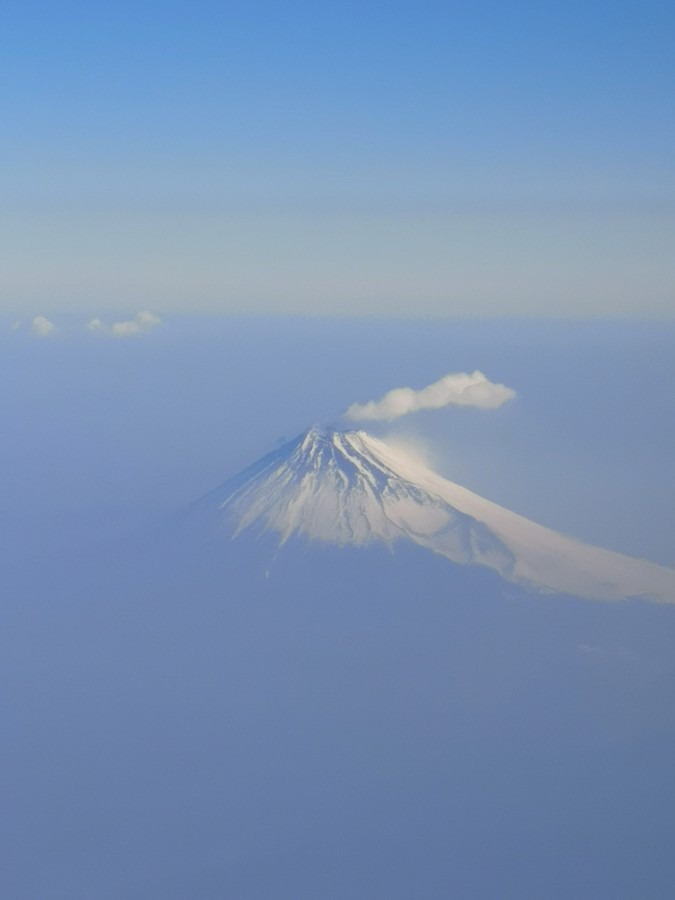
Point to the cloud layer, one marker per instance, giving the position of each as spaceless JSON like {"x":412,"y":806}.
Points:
{"x":456,"y":389}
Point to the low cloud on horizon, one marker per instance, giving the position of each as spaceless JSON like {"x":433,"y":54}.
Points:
{"x":456,"y":389}
{"x":40,"y":326}
{"x":141,"y":323}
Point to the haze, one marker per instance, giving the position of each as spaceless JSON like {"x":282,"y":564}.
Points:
{"x":450,"y":225}
{"x":367,"y":726}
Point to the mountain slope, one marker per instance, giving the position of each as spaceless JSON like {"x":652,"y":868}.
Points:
{"x":348,"y":488}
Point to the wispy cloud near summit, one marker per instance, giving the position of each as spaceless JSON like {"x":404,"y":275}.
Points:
{"x":455,"y":389}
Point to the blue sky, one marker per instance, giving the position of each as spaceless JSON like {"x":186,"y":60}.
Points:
{"x":399,"y":159}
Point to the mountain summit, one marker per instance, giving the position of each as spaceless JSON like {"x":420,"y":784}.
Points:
{"x":349,"y":488}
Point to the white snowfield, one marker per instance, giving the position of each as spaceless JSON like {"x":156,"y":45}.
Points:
{"x":350,"y":488}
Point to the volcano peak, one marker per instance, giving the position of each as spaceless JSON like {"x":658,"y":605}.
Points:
{"x":350,"y":488}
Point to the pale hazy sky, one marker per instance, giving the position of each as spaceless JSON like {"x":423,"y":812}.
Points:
{"x":404,"y":159}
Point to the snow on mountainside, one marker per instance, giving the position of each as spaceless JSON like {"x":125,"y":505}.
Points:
{"x":349,"y":488}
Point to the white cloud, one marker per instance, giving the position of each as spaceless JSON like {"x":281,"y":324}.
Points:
{"x":96,"y":325}
{"x":42,"y":327}
{"x":142,"y":322}
{"x":456,"y":389}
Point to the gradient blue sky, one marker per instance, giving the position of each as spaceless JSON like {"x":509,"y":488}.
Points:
{"x":434,"y":159}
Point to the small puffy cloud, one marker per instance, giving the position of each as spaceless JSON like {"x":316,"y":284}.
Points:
{"x":142,"y":322}
{"x":42,"y":327}
{"x":456,"y":389}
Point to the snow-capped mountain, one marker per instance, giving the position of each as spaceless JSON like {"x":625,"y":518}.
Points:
{"x":349,"y":488}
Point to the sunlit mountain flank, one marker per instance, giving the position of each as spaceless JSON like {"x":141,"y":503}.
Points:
{"x":349,"y":488}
